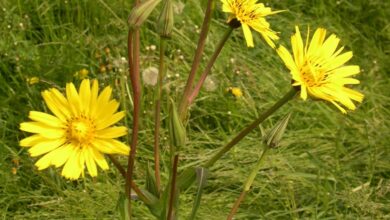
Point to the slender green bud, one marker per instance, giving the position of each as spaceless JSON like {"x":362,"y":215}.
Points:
{"x":140,"y":13}
{"x":177,"y":132}
{"x":273,"y":137}
{"x":165,"y":21}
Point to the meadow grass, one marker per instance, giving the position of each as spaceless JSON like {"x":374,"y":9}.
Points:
{"x":329,"y":165}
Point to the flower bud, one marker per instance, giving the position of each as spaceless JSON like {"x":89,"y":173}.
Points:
{"x":273,"y":137}
{"x":141,"y":12}
{"x":166,"y":20}
{"x":177,"y":131}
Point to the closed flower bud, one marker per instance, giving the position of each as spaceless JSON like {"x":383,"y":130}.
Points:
{"x":165,"y":21}
{"x":140,"y":13}
{"x":177,"y":131}
{"x":273,"y":137}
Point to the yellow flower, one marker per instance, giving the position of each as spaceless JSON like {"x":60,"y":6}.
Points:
{"x":78,"y":133}
{"x":82,"y":74}
{"x":251,"y":15}
{"x":235,"y":91}
{"x":33,"y":80}
{"x":318,"y":68}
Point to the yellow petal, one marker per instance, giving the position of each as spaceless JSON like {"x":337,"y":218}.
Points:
{"x":90,"y":162}
{"x":54,"y":107}
{"x":45,"y":146}
{"x":73,"y":99}
{"x":297,"y":47}
{"x":46,"y":119}
{"x":107,"y":109}
{"x":85,"y":95}
{"x":72,"y":168}
{"x":287,"y":58}
{"x":344,"y":71}
{"x":120,"y":147}
{"x":56,"y":157}
{"x":60,"y":102}
{"x":42,"y":129}
{"x":354,"y":95}
{"x":99,"y":158}
{"x":338,"y":61}
{"x":101,"y":102}
{"x":317,"y":40}
{"x":111,"y":146}
{"x":108,"y":121}
{"x":112,"y":132}
{"x":248,"y":35}
{"x":32,"y":140}
{"x":60,"y":155}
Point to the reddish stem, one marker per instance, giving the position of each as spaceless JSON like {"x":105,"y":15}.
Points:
{"x":172,"y":196}
{"x":236,"y":205}
{"x":197,"y":58}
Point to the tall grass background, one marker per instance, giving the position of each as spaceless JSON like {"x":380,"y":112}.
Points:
{"x":329,"y":165}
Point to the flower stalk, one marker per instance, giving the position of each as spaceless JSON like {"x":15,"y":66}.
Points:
{"x":188,"y":176}
{"x":248,"y":184}
{"x":157,"y":118}
{"x":289,"y":95}
{"x":210,"y":64}
{"x":197,"y":58}
{"x":134,"y":63}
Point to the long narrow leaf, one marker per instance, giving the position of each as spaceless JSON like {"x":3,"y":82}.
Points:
{"x":202,"y":175}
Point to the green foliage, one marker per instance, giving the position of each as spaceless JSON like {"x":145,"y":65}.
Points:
{"x":329,"y":165}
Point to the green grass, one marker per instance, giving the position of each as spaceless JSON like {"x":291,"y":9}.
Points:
{"x":329,"y":165}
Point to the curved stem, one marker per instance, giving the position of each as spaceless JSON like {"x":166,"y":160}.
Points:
{"x":136,"y":86}
{"x":197,"y":58}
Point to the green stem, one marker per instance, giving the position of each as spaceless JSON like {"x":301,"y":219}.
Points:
{"x":188,"y":176}
{"x":197,"y":59}
{"x":210,"y":64}
{"x":289,"y":95}
{"x":157,"y":120}
{"x":247,"y":184}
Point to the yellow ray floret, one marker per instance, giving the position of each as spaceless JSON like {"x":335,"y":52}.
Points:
{"x":251,"y":15}
{"x":319,"y":69}
{"x":79,"y":132}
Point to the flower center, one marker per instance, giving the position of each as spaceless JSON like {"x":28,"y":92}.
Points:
{"x":312,"y":74}
{"x":81,"y":130}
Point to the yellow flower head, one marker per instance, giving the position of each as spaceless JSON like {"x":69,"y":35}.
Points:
{"x":251,"y":15}
{"x":78,"y":133}
{"x":82,"y":74}
{"x":318,"y":68}
{"x":33,"y":80}
{"x":235,"y":91}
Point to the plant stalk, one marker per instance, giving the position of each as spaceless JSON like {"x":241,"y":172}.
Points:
{"x":210,"y":64}
{"x":172,"y":196}
{"x":197,"y":58}
{"x":289,"y":95}
{"x":137,"y":190}
{"x":188,"y":175}
{"x":248,"y":184}
{"x":134,"y":62}
{"x":157,"y":118}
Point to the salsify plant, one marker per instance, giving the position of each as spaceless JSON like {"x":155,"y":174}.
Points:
{"x":80,"y":132}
